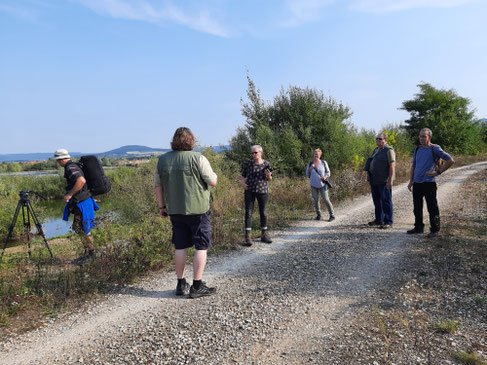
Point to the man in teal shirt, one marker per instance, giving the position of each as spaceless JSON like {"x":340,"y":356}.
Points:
{"x":181,"y":184}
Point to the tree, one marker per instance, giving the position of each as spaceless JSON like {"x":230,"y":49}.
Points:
{"x":448,"y":115}
{"x":298,"y":121}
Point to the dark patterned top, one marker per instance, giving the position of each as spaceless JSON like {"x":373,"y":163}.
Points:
{"x":256,"y":178}
{"x":72,"y":172}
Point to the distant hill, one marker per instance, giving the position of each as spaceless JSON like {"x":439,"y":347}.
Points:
{"x":133,"y":151}
{"x":129,"y":151}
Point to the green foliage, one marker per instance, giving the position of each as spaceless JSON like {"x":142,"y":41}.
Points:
{"x":399,"y":139}
{"x":49,"y":164}
{"x":480,"y":300}
{"x":297,"y":122}
{"x":448,"y":115}
{"x":51,"y":187}
{"x":446,"y":326}
{"x":468,"y":358}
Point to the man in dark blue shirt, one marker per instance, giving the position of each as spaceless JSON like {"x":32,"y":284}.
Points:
{"x":422,"y":182}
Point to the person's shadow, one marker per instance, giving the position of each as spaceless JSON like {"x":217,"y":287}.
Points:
{"x":143,"y":293}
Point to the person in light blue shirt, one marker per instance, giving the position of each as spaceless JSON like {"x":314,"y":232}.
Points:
{"x":318,"y":173}
{"x":424,"y":169}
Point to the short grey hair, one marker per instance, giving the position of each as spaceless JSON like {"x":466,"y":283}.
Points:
{"x":427,"y":130}
{"x":383,"y":135}
{"x":258,"y":146}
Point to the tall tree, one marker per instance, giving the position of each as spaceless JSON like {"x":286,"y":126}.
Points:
{"x":448,"y":115}
{"x":298,"y":121}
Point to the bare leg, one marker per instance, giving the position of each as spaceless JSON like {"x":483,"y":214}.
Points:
{"x":199,"y":263}
{"x":89,"y":242}
{"x":180,"y":262}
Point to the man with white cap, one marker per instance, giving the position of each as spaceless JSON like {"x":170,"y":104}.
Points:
{"x":79,"y":203}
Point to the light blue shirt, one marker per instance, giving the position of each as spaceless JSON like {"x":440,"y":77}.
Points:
{"x":423,"y":161}
{"x":315,"y":178}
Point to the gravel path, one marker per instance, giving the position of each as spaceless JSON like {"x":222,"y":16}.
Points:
{"x":277,"y":303}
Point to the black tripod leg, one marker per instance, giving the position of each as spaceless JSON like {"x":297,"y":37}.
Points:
{"x":11,"y":227}
{"x":38,"y":226}
{"x":26,"y":225}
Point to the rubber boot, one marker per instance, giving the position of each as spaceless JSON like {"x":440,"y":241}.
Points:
{"x":248,"y":241}
{"x":265,"y":237}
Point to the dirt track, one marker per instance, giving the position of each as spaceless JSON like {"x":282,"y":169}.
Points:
{"x":281,"y":303}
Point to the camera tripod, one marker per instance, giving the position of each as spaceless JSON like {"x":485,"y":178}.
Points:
{"x":27,"y":212}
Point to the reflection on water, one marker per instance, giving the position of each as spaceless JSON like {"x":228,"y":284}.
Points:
{"x":52,"y":221}
{"x":53,"y":227}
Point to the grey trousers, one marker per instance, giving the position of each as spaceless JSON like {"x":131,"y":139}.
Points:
{"x":316,"y":192}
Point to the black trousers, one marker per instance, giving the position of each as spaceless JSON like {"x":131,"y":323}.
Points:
{"x":428,"y":191}
{"x":262,"y":200}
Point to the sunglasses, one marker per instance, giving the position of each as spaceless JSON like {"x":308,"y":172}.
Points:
{"x":379,"y":139}
{"x":254,"y":153}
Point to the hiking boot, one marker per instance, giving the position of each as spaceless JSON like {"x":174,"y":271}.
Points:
{"x":432,"y":235}
{"x":265,"y":237}
{"x":83,"y":259}
{"x":415,"y":231}
{"x":202,"y":291}
{"x":331,"y":219}
{"x":182,"y":287}
{"x":248,"y":241}
{"x":385,"y":226}
{"x":318,"y":217}
{"x":375,"y":223}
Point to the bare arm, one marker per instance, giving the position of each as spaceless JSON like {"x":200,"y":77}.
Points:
{"x":269,"y":175}
{"x":78,"y":185}
{"x":446,"y":165}
{"x":243,"y":181}
{"x":392,"y":168}
{"x":410,"y":184}
{"x":159,"y":192}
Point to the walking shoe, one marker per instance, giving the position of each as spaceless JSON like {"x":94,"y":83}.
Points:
{"x":432,"y":235}
{"x":318,"y":218}
{"x":331,"y":219}
{"x":80,"y":260}
{"x":202,"y":291}
{"x":415,"y":231}
{"x":375,"y":223}
{"x":182,"y":287}
{"x":385,"y":226}
{"x":248,"y":241}
{"x":265,"y":237}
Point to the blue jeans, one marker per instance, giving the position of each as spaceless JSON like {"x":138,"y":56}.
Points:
{"x":382,"y":198}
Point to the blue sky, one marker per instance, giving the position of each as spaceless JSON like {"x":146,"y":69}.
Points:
{"x":93,"y":75}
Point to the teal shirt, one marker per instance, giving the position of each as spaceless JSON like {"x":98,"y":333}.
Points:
{"x":185,"y":189}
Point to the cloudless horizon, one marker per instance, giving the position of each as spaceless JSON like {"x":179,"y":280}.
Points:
{"x":94,"y":75}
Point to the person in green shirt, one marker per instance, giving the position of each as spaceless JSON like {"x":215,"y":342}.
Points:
{"x":181,"y":183}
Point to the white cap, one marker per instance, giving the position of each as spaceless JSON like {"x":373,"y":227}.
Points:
{"x":61,"y":154}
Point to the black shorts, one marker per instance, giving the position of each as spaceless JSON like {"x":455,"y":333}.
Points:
{"x":191,"y":230}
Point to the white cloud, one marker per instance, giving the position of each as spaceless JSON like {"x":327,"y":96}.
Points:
{"x":303,"y":11}
{"x":163,"y":12}
{"x":383,"y":6}
{"x":18,"y":12}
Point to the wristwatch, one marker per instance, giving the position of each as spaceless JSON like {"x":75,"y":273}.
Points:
{"x":163,"y":207}
{"x":438,"y":172}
